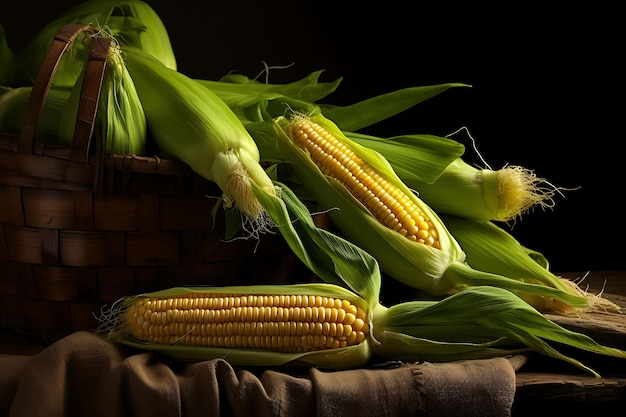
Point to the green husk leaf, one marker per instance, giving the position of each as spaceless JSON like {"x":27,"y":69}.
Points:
{"x":342,"y":358}
{"x":13,"y":102}
{"x":370,"y":111}
{"x":400,"y":346}
{"x":239,"y":91}
{"x":478,"y":315}
{"x":332,"y":258}
{"x":537,"y":256}
{"x":489,"y":247}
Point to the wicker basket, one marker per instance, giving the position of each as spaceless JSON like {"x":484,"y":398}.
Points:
{"x":78,"y":232}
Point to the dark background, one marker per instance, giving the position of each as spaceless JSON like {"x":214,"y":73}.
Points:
{"x":546,"y":86}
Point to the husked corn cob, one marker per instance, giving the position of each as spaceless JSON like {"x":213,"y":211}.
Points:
{"x":282,"y":323}
{"x":387,"y":203}
{"x":300,"y":324}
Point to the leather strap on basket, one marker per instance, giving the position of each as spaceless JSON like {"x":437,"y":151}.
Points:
{"x":90,"y":90}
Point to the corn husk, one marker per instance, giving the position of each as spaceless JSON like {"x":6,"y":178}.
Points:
{"x":368,"y":112}
{"x":13,"y":102}
{"x":120,"y":116}
{"x":479,"y":322}
{"x":249,"y":97}
{"x":191,"y":124}
{"x":489,"y":247}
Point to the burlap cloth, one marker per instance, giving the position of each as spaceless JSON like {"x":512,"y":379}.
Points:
{"x":84,"y":375}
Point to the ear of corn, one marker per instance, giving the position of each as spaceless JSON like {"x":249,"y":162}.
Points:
{"x":476,"y":322}
{"x":192,"y":124}
{"x":488,"y":247}
{"x":391,"y":205}
{"x":437,"y":267}
{"x":122,"y":119}
{"x":353,"y":218}
{"x":120,"y":115}
{"x":483,"y":194}
{"x":329,"y":326}
{"x":311,"y":324}
{"x":131,"y":22}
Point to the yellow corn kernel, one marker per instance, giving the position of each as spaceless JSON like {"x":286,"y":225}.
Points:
{"x":386,"y":202}
{"x":280,"y":323}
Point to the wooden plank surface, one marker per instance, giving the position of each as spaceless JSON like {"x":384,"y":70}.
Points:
{"x":544,"y":384}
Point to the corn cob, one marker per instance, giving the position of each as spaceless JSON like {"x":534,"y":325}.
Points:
{"x":432,"y":261}
{"x":385,"y":201}
{"x":282,"y":323}
{"x":320,"y":324}
{"x":327,"y":325}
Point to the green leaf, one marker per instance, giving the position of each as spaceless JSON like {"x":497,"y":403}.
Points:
{"x":332,"y":258}
{"x":376,"y":109}
{"x":239,"y":91}
{"x":483,"y":315}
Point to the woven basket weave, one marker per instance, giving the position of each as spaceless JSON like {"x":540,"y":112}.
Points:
{"x":78,"y":232}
